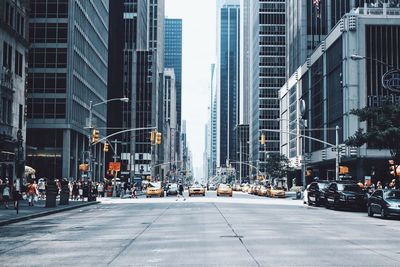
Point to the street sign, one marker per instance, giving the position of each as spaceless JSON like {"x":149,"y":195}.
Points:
{"x":114,"y":166}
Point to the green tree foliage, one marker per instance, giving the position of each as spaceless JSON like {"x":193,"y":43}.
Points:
{"x":383,"y":131}
{"x":277,"y":165}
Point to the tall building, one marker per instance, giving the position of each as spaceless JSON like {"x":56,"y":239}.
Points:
{"x":228,"y":79}
{"x":14,"y":46}
{"x":213,"y":124}
{"x":330,"y":84}
{"x":136,"y":71}
{"x":67,"y":69}
{"x":173,"y":57}
{"x":130,"y":15}
{"x":170,"y":126}
{"x":308,"y":23}
{"x":271,"y":76}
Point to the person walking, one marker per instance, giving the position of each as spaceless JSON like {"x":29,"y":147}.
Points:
{"x":6,"y":193}
{"x":32,"y":192}
{"x":17,"y":196}
{"x":133,"y":191}
{"x":180,"y":192}
{"x":100,"y":189}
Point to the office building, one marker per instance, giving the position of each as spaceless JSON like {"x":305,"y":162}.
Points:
{"x":228,"y":79}
{"x":327,"y":86}
{"x":13,"y":57}
{"x":68,"y":67}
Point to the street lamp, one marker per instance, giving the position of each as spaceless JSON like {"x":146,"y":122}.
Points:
{"x":91,"y":105}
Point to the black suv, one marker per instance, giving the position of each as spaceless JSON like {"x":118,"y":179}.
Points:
{"x":345,"y":195}
{"x":316,"y":193}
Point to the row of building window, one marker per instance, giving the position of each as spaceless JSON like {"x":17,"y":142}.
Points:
{"x":49,"y":8}
{"x":48,"y":32}
{"x":48,"y":57}
{"x":7,"y":59}
{"x":47,"y":83}
{"x":14,"y":18}
{"x":39,"y":108}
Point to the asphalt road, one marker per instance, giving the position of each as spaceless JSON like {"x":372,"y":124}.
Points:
{"x":202,"y":231}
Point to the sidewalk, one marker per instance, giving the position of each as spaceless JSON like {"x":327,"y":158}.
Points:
{"x":8,"y":216}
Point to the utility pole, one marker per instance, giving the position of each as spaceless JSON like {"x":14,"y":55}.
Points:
{"x":240,"y":159}
{"x":337,"y":153}
{"x":114,"y":194}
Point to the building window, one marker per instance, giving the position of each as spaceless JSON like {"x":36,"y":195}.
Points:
{"x":7,"y":55}
{"x":19,"y":59}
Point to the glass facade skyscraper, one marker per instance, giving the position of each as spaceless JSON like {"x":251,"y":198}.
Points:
{"x":228,"y":79}
{"x":173,"y":58}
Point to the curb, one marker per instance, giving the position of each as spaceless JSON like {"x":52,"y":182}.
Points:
{"x":45,"y":213}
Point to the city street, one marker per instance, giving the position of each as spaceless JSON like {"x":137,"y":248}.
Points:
{"x":202,"y":231}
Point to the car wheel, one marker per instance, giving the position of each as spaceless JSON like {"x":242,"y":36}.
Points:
{"x":147,"y":196}
{"x":383,"y":214}
{"x":204,"y":195}
{"x":370,"y":213}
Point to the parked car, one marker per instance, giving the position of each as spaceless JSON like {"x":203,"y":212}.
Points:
{"x":154,"y":189}
{"x":224,"y":189}
{"x":245,"y":188}
{"x":316,"y":193}
{"x":172,"y":189}
{"x":196,"y":189}
{"x":385,"y":202}
{"x":262,"y":191}
{"x":345,"y":195}
{"x":275,"y":192}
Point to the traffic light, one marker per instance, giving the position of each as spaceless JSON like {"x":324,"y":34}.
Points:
{"x":263,"y":139}
{"x":158,"y":138}
{"x":105,"y":149}
{"x":343,"y":170}
{"x":152,"y":133}
{"x":95,"y":136}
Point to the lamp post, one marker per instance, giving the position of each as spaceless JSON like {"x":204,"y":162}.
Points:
{"x":91,"y":105}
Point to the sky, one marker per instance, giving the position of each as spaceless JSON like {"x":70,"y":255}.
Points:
{"x":199,"y":52}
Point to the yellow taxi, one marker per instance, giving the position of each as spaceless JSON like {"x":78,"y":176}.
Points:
{"x":262,"y":191}
{"x":275,"y":192}
{"x":245,"y":188}
{"x":154,"y":189}
{"x":224,"y":189}
{"x":197,"y":189}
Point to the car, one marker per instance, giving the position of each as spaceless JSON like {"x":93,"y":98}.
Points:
{"x":172,"y":189}
{"x":245,"y":188}
{"x":224,"y":189}
{"x":154,"y":189}
{"x":275,"y":192}
{"x":345,"y":195}
{"x":385,"y":202}
{"x":197,"y":189}
{"x":316,"y":193}
{"x":262,"y":191}
{"x":212,"y":187}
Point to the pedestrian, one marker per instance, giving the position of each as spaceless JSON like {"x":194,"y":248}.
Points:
{"x":41,"y":188}
{"x":6,"y":193}
{"x":32,"y":192}
{"x":379,"y":185}
{"x":75,"y":191}
{"x":180,"y":192}
{"x":100,"y":189}
{"x":80,"y":191}
{"x":133,"y":191}
{"x":17,"y":196}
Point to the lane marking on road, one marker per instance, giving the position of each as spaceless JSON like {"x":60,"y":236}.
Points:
{"x":237,"y":236}
{"x":137,"y":236}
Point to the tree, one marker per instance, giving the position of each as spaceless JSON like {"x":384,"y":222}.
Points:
{"x":277,"y":166}
{"x":383,"y":131}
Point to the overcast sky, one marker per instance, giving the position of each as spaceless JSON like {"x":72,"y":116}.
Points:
{"x":199,"y":46}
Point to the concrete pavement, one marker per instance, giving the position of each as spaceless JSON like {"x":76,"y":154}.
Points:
{"x":206,"y":231}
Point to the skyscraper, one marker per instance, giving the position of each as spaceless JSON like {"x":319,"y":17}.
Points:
{"x":228,"y":80}
{"x":271,"y":78}
{"x":173,"y":57}
{"x":67,"y":69}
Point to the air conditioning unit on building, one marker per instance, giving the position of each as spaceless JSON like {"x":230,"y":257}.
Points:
{"x":342,"y":26}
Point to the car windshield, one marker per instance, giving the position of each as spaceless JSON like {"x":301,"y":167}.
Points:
{"x":223,"y":186}
{"x":392,"y":194}
{"x":173,"y":186}
{"x":349,"y":187}
{"x":322,"y":185}
{"x":155,"y":185}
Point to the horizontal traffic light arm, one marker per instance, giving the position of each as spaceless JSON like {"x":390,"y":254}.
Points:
{"x":123,"y":131}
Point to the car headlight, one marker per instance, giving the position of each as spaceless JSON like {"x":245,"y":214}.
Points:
{"x":342,"y":197}
{"x":389,"y":205}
